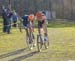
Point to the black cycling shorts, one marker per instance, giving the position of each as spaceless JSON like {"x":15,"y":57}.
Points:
{"x":40,"y":23}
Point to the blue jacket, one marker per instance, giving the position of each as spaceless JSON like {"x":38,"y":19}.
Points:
{"x":15,"y":17}
{"x":25,"y":20}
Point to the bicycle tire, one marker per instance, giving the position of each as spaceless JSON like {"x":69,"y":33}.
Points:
{"x":39,"y":43}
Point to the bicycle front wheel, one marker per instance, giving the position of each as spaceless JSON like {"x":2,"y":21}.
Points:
{"x":39,"y":43}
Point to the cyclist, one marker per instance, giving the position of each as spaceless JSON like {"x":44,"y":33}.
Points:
{"x":42,"y":24}
{"x":28,"y":25}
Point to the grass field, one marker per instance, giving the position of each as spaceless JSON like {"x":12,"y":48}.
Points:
{"x":62,"y":46}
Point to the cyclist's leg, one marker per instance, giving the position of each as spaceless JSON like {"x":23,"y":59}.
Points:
{"x":26,"y":29}
{"x":45,"y":31}
{"x":27,"y":36}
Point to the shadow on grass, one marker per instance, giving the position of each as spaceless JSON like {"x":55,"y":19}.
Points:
{"x":12,"y":53}
{"x":24,"y":56}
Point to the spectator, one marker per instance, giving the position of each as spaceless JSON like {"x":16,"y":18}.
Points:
{"x":4,"y":16}
{"x":14,"y":18}
{"x":9,"y":15}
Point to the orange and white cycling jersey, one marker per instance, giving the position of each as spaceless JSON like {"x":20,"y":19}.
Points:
{"x":41,"y":16}
{"x":31,"y":17}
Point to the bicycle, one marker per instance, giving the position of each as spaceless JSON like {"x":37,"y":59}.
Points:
{"x":30,"y":39}
{"x":41,"y":41}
